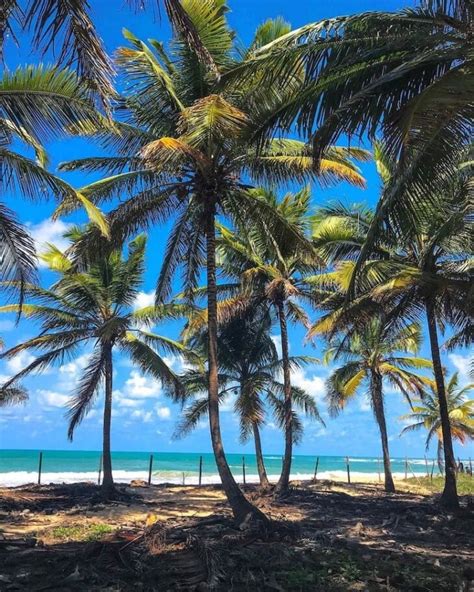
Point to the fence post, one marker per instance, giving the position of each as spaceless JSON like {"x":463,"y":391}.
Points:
{"x":426,"y":465}
{"x":348,"y":470}
{"x":200,"y":471}
{"x":316,"y":469}
{"x":150,"y":468}
{"x":406,"y":468}
{"x":432,"y":470}
{"x":40,"y":466}
{"x":378,"y":469}
{"x":100,"y":470}
{"x":243,"y":468}
{"x":470,"y":466}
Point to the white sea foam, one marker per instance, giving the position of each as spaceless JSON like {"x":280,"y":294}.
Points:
{"x":15,"y":478}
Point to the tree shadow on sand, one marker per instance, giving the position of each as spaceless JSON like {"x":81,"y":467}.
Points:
{"x":333,"y":539}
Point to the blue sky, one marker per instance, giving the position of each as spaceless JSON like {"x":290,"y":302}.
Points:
{"x":143,"y":418}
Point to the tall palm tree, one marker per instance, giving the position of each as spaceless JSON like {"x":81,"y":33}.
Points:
{"x":189,"y":149}
{"x":406,"y":75}
{"x":37,"y":103}
{"x":93,"y":305}
{"x":372,"y":353}
{"x":271,"y":271}
{"x":426,"y":415}
{"x":422,"y":273}
{"x":248,"y":368}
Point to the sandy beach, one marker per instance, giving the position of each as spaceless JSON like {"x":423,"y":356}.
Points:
{"x":345,"y":537}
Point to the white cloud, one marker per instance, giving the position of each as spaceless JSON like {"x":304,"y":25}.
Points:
{"x":144,"y":299}
{"x":124,"y":401}
{"x":49,"y":231}
{"x":463,"y":365}
{"x":364,"y":404}
{"x":163,"y":412}
{"x":7,"y":325}
{"x":52,"y":398}
{"x":20,"y":361}
{"x":75,"y":367}
{"x":141,"y":414}
{"x":313,"y":385}
{"x":277,"y":341}
{"x":142,"y":387}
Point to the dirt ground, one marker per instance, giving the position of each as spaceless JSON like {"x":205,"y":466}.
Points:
{"x":325,"y":537}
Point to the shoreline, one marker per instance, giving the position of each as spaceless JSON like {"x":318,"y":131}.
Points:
{"x":20,"y":478}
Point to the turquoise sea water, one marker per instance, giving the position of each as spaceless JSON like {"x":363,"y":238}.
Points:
{"x":21,"y":466}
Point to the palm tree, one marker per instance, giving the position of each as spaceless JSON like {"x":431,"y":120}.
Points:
{"x":372,"y":353}
{"x":92,"y":305}
{"x":405,"y":75}
{"x":423,"y":271}
{"x":189,"y":149}
{"x":425,"y":414}
{"x":36,"y":104}
{"x":248,"y":368}
{"x":271,"y":269}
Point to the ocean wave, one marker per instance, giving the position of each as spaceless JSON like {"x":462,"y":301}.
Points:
{"x":15,"y":478}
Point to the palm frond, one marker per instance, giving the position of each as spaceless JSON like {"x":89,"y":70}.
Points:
{"x":70,"y":22}
{"x":86,"y":391}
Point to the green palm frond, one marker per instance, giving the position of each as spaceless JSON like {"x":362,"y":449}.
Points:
{"x":152,"y":363}
{"x":46,"y":101}
{"x":86,"y":391}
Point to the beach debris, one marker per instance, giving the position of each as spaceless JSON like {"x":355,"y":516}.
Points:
{"x":138,"y":483}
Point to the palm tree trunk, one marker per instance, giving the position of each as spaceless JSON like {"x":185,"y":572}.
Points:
{"x":440,"y":457}
{"x":239,"y":504}
{"x":377,"y":402}
{"x":449,"y":497}
{"x":283,"y":483}
{"x":262,"y":473}
{"x":108,"y":482}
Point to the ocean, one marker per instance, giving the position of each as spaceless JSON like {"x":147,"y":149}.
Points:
{"x":18,"y":467}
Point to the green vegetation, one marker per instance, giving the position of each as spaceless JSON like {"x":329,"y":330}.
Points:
{"x":78,"y":532}
{"x":464,"y":482}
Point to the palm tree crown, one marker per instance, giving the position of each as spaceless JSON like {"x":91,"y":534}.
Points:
{"x":426,"y":415}
{"x":406,"y":75}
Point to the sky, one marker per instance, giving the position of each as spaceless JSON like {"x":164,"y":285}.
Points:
{"x":143,"y":418}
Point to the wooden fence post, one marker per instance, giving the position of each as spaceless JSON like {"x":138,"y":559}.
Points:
{"x":40,"y":466}
{"x":348,"y":470}
{"x":243,"y":468}
{"x":100,"y":470}
{"x":378,"y":469}
{"x":200,"y":471}
{"x":406,"y":468}
{"x":316,"y":468}
{"x":150,"y":468}
{"x":432,"y":469}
